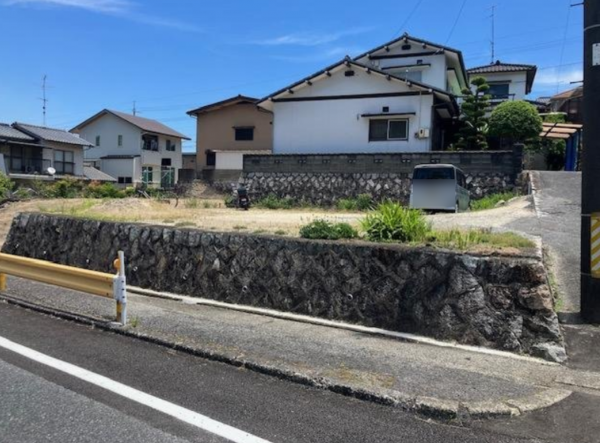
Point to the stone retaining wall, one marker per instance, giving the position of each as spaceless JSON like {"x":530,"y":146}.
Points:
{"x":323,"y":179}
{"x":500,"y":302}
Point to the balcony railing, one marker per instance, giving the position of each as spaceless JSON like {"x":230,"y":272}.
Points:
{"x":20,"y":165}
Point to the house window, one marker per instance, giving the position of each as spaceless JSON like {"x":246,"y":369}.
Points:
{"x":386,"y":130}
{"x":64,"y":162}
{"x":147,"y":175}
{"x":120,"y":140}
{"x":125,"y":180}
{"x":499,"y":90}
{"x":211,"y":158}
{"x":150,"y":142}
{"x":244,"y":134}
{"x":97,"y":140}
{"x":170,"y":146}
{"x":415,"y":76}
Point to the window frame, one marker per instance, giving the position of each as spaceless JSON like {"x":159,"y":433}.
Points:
{"x":97,"y":141}
{"x":170,"y":146}
{"x":125,"y":180}
{"x":62,"y":166}
{"x":499,"y":96}
{"x":147,"y":175}
{"x":243,"y":128}
{"x":388,"y":123}
{"x":120,"y":141}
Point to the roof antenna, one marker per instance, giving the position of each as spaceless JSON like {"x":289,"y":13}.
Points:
{"x":44,"y":99}
{"x":493,"y":42}
{"x":134,"y":108}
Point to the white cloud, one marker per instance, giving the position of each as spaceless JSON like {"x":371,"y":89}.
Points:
{"x":330,"y":54}
{"x":106,"y":6}
{"x":120,"y":8}
{"x":310,"y":38}
{"x":555,"y":76}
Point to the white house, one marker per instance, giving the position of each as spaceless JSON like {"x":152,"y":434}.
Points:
{"x":31,"y":151}
{"x":507,"y":81}
{"x":133,"y":149}
{"x":398,"y":97}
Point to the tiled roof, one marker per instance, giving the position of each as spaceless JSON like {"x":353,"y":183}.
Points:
{"x":145,"y":124}
{"x":97,"y":175}
{"x":501,"y":67}
{"x":8,"y":132}
{"x":571,"y":93}
{"x":51,"y":134}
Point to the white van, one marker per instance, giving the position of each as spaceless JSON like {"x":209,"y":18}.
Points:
{"x":439,"y":187}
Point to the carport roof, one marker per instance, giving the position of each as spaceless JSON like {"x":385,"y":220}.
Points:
{"x":560,"y":131}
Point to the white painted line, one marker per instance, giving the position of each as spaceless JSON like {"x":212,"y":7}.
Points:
{"x":178,"y":412}
{"x":338,"y":325}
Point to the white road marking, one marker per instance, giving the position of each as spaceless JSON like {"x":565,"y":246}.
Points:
{"x":178,"y":412}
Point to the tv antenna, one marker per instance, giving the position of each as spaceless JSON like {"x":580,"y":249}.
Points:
{"x":134,"y":108}
{"x":493,"y":41}
{"x":44,"y":99}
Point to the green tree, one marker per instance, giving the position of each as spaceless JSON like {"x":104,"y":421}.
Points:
{"x":472,"y":134}
{"x":516,"y":122}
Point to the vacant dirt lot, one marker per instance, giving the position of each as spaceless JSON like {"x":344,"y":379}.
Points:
{"x":213,"y":215}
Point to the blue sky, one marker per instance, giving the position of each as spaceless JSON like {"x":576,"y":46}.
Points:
{"x":174,"y":55}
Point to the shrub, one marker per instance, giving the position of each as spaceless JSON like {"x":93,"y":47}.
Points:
{"x":465,"y":239}
{"x":191,"y":203}
{"x":324,"y":230}
{"x":66,"y":188}
{"x":230,"y":201}
{"x":517,"y":121}
{"x":102,"y":190}
{"x":361,"y":203}
{"x":393,"y":222}
{"x":490,"y":201}
{"x":271,"y":201}
{"x":6,"y":186}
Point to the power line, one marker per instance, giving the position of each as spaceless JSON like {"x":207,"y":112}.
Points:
{"x":462,"y":7}
{"x":408,"y":18}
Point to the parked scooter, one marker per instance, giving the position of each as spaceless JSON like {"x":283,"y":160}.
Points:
{"x":243,"y":199}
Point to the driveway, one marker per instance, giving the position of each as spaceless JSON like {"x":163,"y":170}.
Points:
{"x":558,"y":200}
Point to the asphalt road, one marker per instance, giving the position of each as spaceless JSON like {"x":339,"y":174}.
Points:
{"x":42,"y":404}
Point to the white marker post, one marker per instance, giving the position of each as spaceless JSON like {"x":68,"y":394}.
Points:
{"x":120,"y":289}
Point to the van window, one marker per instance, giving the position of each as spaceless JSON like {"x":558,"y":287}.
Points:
{"x":434,"y":174}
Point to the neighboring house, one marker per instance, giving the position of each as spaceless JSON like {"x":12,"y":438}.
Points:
{"x":231,"y":128}
{"x":398,"y":97}
{"x":96,"y":175}
{"x":570,"y":103}
{"x":38,"y":151}
{"x":507,"y":81}
{"x":135,"y":150}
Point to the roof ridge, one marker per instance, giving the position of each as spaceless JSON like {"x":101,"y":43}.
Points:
{"x":41,"y":127}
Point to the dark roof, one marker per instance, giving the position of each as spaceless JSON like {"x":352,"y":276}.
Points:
{"x":8,"y":132}
{"x":97,"y":175}
{"x":348,"y":61}
{"x":499,"y":67}
{"x":571,"y":93}
{"x":237,"y":100}
{"x":118,"y":157}
{"x":406,"y":36}
{"x":51,"y":134}
{"x":145,"y":124}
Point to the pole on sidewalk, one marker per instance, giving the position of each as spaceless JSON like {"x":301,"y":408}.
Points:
{"x":590,"y":202}
{"x":120,"y":289}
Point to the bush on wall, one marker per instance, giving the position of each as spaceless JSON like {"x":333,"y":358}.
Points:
{"x":515,"y":121}
{"x":394,"y":222}
{"x":324,"y":230}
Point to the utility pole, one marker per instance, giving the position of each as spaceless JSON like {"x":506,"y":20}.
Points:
{"x":493,"y":33}
{"x":590,"y":201}
{"x":44,"y":100}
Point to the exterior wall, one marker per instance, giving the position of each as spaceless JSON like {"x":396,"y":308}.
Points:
{"x":189,"y":161}
{"x":434,"y":75}
{"x":324,"y":179}
{"x":336,"y":126}
{"x":122,"y":167}
{"x":109,"y":127}
{"x":502,"y":302}
{"x":154,"y":158}
{"x":214,"y":131}
{"x":230,"y":161}
{"x":517,"y":85}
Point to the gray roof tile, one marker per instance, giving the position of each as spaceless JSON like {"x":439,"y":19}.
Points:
{"x":97,"y":175}
{"x":8,"y":132}
{"x":52,"y":134}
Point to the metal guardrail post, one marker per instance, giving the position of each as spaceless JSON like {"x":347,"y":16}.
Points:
{"x":120,"y":289}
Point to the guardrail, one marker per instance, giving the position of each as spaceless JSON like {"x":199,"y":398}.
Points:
{"x":82,"y":280}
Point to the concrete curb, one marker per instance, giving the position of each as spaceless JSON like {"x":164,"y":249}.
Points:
{"x":440,"y":409}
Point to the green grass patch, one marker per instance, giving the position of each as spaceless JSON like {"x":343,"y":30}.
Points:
{"x":470,"y":238}
{"x":490,"y":201}
{"x":324,"y":230}
{"x":363,"y":202}
{"x":394,"y":222}
{"x":271,"y":201}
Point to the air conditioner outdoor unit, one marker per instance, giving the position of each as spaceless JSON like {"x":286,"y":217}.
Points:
{"x":423,"y":133}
